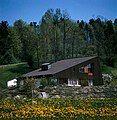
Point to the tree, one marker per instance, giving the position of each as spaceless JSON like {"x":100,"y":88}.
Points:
{"x":28,"y":87}
{"x":20,"y":27}
{"x":4,"y":37}
{"x":28,"y":38}
{"x":6,"y":54}
{"x":57,"y":37}
{"x":16,"y":43}
{"x":109,"y":42}
{"x":98,"y":37}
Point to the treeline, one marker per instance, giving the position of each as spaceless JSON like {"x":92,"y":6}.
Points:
{"x":57,"y":37}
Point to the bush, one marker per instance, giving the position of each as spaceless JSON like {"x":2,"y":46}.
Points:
{"x":44,"y":82}
{"x":107,"y":78}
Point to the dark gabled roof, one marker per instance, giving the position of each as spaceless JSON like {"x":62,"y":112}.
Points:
{"x":58,"y":66}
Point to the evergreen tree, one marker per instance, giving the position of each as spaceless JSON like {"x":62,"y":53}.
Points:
{"x":6,"y":55}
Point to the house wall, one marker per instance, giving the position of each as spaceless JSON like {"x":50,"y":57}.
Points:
{"x":97,"y":73}
{"x":74,"y":74}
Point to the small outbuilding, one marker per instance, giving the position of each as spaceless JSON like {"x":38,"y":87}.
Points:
{"x":12,"y":83}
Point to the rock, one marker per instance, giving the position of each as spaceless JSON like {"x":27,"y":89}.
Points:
{"x":57,"y":96}
{"x":43,"y":95}
{"x":17,"y":97}
{"x":83,"y":92}
{"x":54,"y":91}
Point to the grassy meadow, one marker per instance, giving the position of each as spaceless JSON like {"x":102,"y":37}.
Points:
{"x":9,"y":72}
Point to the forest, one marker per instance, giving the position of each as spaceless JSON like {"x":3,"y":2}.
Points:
{"x":56,"y":36}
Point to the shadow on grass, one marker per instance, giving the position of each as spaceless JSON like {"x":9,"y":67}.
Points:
{"x":20,"y":69}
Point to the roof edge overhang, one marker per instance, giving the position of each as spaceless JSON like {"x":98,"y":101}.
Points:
{"x":50,"y":74}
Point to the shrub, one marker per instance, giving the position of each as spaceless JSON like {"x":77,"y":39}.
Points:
{"x":44,"y":82}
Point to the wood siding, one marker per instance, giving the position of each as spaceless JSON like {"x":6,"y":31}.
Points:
{"x":73,"y":72}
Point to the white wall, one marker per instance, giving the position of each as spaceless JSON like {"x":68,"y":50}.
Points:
{"x":12,"y":83}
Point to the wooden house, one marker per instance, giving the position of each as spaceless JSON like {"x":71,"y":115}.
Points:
{"x":73,"y":72}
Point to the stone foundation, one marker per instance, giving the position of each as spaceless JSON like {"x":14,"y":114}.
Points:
{"x":82,"y":92}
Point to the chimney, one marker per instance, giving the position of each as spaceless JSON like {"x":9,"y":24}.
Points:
{"x":45,"y":66}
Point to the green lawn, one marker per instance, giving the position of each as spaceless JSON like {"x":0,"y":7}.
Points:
{"x":12,"y":71}
{"x":109,"y":70}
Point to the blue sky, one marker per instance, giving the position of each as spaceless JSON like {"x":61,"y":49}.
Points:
{"x":32,"y":10}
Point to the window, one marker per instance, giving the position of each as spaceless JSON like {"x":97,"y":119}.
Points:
{"x":86,"y":69}
{"x":73,"y":82}
{"x":89,"y":65}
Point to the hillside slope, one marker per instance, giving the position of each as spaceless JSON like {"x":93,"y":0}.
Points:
{"x":9,"y":72}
